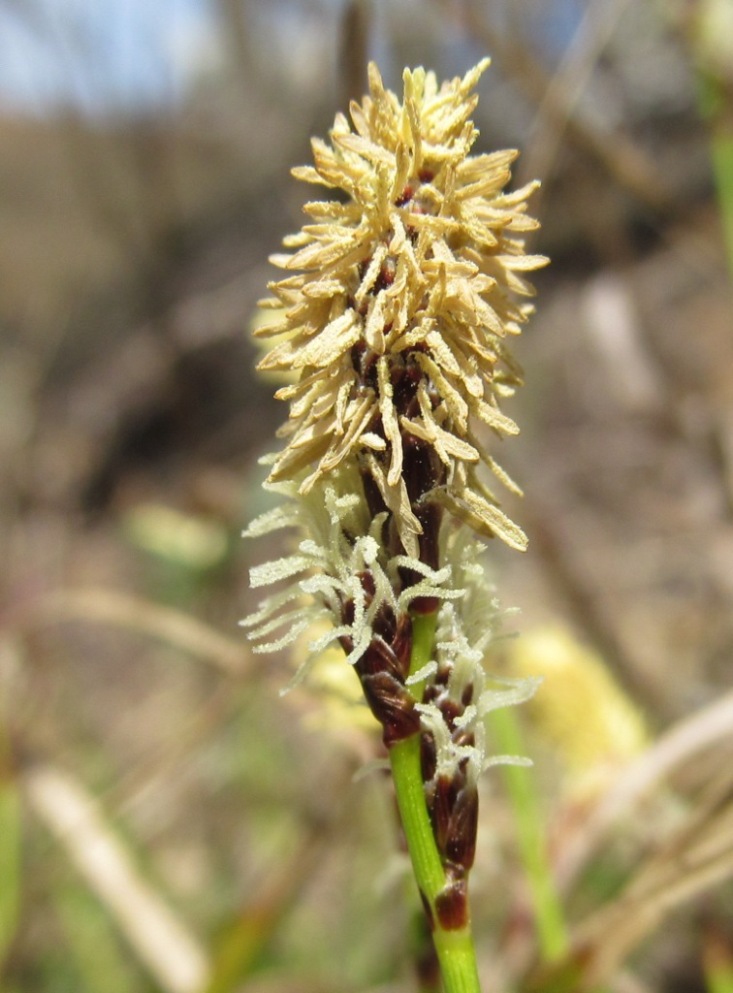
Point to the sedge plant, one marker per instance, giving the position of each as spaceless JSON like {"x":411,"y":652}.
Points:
{"x":393,"y":322}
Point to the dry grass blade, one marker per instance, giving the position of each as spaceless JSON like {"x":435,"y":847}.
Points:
{"x":567,"y":85}
{"x":626,"y":163}
{"x":159,"y":939}
{"x":110,"y":607}
{"x":698,"y":856}
{"x":672,"y":750}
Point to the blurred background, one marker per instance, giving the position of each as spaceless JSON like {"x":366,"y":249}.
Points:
{"x":168,"y":822}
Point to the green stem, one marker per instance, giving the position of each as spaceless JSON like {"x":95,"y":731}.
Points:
{"x":716,"y":107}
{"x":551,"y":928}
{"x":454,"y":948}
{"x":722,"y":156}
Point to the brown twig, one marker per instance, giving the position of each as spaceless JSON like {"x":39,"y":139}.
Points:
{"x":618,"y":156}
{"x":190,"y":636}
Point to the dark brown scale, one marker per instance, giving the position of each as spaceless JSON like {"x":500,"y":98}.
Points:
{"x":424,"y":605}
{"x":430,"y":517}
{"x":431,"y":693}
{"x":364,"y":361}
{"x":397,"y":369}
{"x":413,"y":370}
{"x":422,"y":469}
{"x":385,"y":624}
{"x":367,"y":584}
{"x":358,"y":350}
{"x":402,"y":643}
{"x":426,"y":175}
{"x":379,"y":657}
{"x":422,"y":472}
{"x":406,"y":378}
{"x":467,"y":695}
{"x":451,"y":711}
{"x":405,"y":197}
{"x":392,"y":705}
{"x":412,"y":407}
{"x":346,"y":643}
{"x":428,"y":757}
{"x":460,"y":841}
{"x":451,"y":906}
{"x":441,"y":810}
{"x":460,"y":775}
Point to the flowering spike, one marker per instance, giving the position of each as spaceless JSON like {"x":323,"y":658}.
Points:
{"x":395,"y":314}
{"x":416,"y":271}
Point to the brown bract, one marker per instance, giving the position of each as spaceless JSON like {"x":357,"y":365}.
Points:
{"x":401,"y":301}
